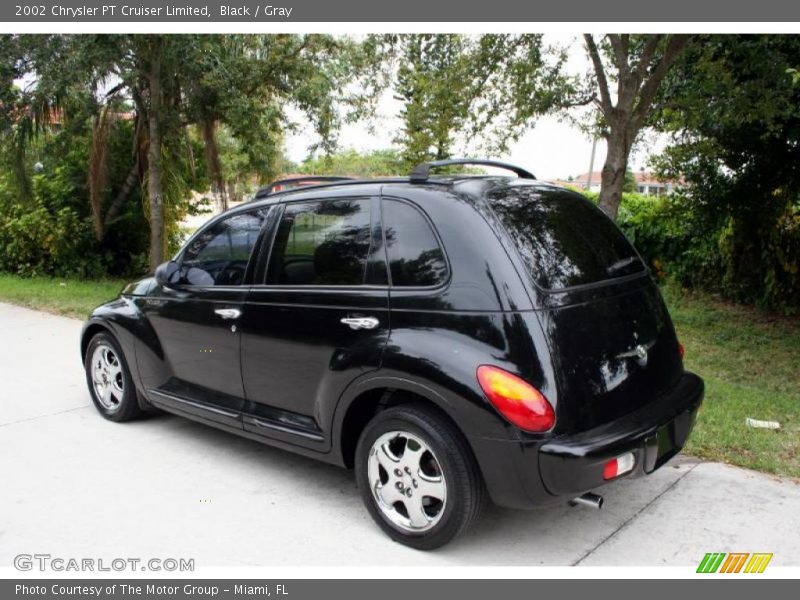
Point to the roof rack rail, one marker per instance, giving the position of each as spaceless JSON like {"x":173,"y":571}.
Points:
{"x":297,"y":181}
{"x":422,"y":171}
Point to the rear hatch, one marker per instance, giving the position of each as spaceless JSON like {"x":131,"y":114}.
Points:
{"x":612,"y":342}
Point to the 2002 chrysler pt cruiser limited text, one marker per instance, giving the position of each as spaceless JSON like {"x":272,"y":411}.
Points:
{"x":452,"y":338}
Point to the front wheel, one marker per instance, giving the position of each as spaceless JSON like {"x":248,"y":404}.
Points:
{"x":417,"y":476}
{"x":109,"y":380}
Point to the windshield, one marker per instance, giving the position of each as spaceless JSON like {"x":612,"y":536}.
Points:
{"x":564,"y":239}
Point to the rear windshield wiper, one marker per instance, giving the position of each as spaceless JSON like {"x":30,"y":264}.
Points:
{"x":621,"y":264}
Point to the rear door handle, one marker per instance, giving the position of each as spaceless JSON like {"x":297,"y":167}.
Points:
{"x":361,"y":322}
{"x":228,"y":313}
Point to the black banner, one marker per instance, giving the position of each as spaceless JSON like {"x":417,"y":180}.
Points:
{"x":400,"y":589}
{"x":283,"y":11}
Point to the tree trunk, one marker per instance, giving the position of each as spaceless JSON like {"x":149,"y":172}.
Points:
{"x":98,"y":170}
{"x":21,"y":177}
{"x":190,"y":156}
{"x":637,"y":85}
{"x":213,"y":163}
{"x":612,"y":178}
{"x":154,"y":188}
{"x":116,"y":206}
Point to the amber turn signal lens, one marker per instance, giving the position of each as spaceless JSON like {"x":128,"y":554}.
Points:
{"x":517,"y":400}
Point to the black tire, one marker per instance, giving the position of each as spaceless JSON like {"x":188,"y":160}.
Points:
{"x":125,"y":408}
{"x":466,"y":494}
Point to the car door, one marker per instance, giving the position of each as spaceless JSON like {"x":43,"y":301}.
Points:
{"x":319,"y":319}
{"x":196,"y":320}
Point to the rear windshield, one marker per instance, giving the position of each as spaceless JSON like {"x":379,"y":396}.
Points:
{"x":564,"y":239}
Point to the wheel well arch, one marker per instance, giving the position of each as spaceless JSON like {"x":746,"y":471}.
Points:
{"x":367,"y":404}
{"x":92,"y":330}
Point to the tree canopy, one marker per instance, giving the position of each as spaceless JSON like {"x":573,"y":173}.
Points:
{"x":486,"y":89}
{"x":108,"y":141}
{"x":732,"y":106}
{"x":171,"y":83}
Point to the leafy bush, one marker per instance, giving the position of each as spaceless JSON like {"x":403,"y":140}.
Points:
{"x":760,"y":259}
{"x":753,"y":262}
{"x":40,"y":242}
{"x":48,"y":230}
{"x":668,"y":235}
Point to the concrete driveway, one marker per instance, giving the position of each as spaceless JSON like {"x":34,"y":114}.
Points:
{"x":74,"y":484}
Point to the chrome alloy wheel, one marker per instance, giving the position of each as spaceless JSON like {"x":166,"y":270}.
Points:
{"x":406,"y":481}
{"x":107,"y":378}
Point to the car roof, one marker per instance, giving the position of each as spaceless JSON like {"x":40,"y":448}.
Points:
{"x":465,"y":185}
{"x":469,"y":186}
{"x":420,"y":174}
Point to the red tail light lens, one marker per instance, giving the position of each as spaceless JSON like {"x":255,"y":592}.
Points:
{"x":610,"y":469}
{"x":619,"y":466}
{"x":517,"y":400}
{"x":681,"y":350}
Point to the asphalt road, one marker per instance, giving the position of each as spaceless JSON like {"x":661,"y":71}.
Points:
{"x":74,"y":484}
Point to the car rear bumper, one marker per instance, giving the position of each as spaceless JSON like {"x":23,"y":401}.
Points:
{"x":530,"y":474}
{"x":571,"y":465}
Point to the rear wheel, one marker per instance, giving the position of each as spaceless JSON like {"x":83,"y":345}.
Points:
{"x":417,"y":477}
{"x":109,"y":380}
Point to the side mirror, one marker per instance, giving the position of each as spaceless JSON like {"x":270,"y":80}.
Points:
{"x":165,"y":272}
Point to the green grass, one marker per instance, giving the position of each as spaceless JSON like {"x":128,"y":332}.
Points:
{"x":751,"y":365}
{"x":68,"y":297}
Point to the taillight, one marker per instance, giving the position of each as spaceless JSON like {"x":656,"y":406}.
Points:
{"x":618,"y":466}
{"x":516,"y":399}
{"x":681,"y":350}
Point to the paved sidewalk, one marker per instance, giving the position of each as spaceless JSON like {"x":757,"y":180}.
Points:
{"x":74,"y":484}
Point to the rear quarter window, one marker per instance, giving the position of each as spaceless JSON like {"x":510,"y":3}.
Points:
{"x":415,"y":257}
{"x":564,"y":239}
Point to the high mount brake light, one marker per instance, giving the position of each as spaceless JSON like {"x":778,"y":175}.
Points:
{"x":517,"y":400}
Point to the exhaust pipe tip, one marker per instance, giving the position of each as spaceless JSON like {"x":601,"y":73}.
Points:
{"x":589,"y":499}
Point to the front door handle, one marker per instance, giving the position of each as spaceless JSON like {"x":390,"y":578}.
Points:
{"x":228,"y":313}
{"x":361,"y":322}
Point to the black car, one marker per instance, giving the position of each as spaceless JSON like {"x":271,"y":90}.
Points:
{"x":451,"y":338}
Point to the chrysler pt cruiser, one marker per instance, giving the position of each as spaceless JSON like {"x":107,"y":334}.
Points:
{"x":453,"y":339}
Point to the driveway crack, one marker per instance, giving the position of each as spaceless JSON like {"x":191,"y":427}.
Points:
{"x":60,"y":412}
{"x":633,"y":517}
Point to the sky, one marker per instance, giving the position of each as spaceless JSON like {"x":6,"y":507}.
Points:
{"x":551,"y":150}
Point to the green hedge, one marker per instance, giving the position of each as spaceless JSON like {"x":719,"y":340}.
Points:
{"x":742,"y":261}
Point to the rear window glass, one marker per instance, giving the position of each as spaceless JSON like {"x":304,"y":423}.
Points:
{"x":563,"y":238}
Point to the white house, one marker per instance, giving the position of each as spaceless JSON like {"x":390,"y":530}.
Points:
{"x":646,"y":183}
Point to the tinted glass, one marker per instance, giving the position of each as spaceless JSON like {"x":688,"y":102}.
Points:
{"x":219,"y":255}
{"x":321,"y":243}
{"x":415,"y":257}
{"x":564,"y":239}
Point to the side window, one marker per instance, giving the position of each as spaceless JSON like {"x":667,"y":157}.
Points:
{"x":415,"y":257}
{"x":219,"y":255}
{"x":322,"y":242}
